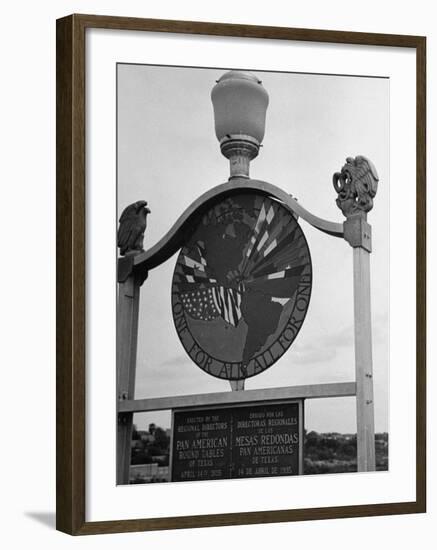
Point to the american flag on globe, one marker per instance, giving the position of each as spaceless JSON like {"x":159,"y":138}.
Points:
{"x":270,"y":260}
{"x":206,"y":304}
{"x":235,"y":284}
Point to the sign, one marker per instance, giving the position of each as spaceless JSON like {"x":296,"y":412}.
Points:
{"x":241,"y":286}
{"x":238,"y":442}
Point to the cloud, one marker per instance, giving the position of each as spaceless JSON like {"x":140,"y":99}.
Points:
{"x":176,"y":361}
{"x":324,"y":348}
{"x":313,"y":355}
{"x":327,"y":347}
{"x":380,"y":328}
{"x":319,"y":350}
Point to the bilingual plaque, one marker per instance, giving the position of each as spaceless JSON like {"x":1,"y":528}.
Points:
{"x":237,"y":442}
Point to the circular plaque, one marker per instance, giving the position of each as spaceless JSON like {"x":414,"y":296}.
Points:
{"x":241,"y":286}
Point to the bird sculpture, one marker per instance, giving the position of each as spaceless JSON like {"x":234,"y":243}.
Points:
{"x":133,"y":223}
{"x":356,"y":185}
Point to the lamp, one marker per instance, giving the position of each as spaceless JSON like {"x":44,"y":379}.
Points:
{"x":240,"y":103}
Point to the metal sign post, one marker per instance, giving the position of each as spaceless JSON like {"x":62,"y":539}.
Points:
{"x":356,"y":185}
{"x":363,"y":362}
{"x":127,"y":335}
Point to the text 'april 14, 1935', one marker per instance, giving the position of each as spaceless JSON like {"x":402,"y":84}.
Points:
{"x":245,"y":441}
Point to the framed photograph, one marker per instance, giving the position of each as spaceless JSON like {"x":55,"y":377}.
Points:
{"x":240,"y":274}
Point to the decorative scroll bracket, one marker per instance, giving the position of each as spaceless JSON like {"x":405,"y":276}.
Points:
{"x":172,"y":240}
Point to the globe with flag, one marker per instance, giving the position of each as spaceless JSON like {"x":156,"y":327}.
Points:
{"x":241,"y":286}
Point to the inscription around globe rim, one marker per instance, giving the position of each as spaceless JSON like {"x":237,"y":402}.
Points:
{"x":241,"y":287}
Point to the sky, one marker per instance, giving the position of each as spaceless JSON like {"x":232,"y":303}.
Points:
{"x":168,"y":155}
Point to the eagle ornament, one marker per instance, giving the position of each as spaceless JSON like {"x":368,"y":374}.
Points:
{"x":356,"y":186}
{"x":133,"y":223}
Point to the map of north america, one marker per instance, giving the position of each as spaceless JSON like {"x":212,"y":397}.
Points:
{"x":238,"y":275}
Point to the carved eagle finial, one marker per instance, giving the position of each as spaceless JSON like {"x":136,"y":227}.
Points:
{"x":133,"y":223}
{"x":356,"y":186}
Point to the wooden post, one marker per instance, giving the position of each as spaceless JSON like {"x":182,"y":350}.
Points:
{"x":127,"y":332}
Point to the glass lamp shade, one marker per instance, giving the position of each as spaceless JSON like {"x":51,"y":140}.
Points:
{"x":240,"y":103}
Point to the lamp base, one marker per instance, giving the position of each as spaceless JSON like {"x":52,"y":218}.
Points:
{"x":240,"y":150}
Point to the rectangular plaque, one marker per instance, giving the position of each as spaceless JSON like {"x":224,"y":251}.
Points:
{"x":236,"y":442}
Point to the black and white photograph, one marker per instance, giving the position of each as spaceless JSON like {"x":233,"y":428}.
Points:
{"x":218,"y":287}
{"x":253,"y":261}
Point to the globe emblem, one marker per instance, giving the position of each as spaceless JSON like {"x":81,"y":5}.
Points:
{"x":241,"y":286}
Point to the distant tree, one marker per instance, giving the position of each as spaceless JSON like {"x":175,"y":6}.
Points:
{"x":161,"y":439}
{"x":135,"y":434}
{"x":349,"y":450}
{"x":152,"y":428}
{"x":140,"y":454}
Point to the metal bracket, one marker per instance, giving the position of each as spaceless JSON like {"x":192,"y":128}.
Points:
{"x":126,"y":267}
{"x":237,"y":385}
{"x":358,"y":233}
{"x":123,"y":418}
